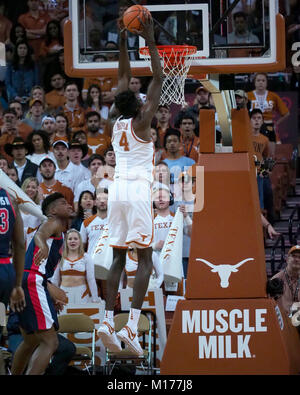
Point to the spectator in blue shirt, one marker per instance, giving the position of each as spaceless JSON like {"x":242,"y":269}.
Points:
{"x":176,"y":162}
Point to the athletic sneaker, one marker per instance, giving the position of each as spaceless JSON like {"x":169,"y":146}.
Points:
{"x":108,"y":336}
{"x":131,"y":340}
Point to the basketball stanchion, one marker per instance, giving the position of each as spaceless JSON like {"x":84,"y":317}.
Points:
{"x":228,"y":324}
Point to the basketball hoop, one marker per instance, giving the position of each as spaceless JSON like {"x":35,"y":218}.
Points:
{"x":176,"y":61}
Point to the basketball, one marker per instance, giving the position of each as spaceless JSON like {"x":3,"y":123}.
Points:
{"x":130,"y":17}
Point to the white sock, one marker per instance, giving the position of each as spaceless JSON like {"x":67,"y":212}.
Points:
{"x":133,"y":319}
{"x":109,"y":317}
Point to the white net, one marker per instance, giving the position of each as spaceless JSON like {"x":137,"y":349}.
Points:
{"x":176,"y":61}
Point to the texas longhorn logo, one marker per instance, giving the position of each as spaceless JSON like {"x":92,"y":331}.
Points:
{"x":224,"y":271}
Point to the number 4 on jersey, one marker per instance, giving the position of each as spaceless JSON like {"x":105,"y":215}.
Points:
{"x":124,"y":142}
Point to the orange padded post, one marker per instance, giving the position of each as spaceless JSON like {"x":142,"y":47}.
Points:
{"x":227,"y":324}
{"x":207,"y":131}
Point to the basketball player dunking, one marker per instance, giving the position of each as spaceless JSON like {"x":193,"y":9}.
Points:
{"x":130,"y":216}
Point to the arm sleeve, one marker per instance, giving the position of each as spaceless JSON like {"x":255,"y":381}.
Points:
{"x":90,"y":277}
{"x":158,"y":269}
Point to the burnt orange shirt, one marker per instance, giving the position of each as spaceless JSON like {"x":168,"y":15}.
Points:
{"x":98,"y":145}
{"x":261,"y":146}
{"x":55,"y":99}
{"x":58,"y":187}
{"x":269,"y":104}
{"x":76,"y":117}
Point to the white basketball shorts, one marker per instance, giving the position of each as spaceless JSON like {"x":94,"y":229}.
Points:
{"x":130,"y":214}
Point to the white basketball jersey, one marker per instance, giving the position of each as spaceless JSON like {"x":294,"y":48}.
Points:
{"x":134,"y":156}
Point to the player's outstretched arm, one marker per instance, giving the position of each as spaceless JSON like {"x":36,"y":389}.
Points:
{"x":154,"y":88}
{"x":17,"y":298}
{"x":124,"y":71}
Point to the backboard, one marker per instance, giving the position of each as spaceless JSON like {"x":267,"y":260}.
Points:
{"x":233,"y":36}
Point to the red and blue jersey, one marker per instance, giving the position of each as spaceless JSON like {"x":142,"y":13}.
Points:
{"x":7,"y":221}
{"x":47,"y":267}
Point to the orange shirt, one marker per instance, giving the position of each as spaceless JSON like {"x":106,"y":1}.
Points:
{"x":261,"y":146}
{"x":58,"y":187}
{"x":57,"y":138}
{"x":98,"y":145}
{"x":55,"y":99}
{"x":76,"y":117}
{"x":31,"y":23}
{"x":106,"y":83}
{"x":6,"y":139}
{"x":269,"y":104}
{"x":24,"y":130}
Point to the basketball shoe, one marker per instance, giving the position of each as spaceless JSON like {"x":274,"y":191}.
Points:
{"x":131,"y":340}
{"x":108,"y":336}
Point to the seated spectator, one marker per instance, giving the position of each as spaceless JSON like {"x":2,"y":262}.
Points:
{"x":49,"y":127}
{"x":96,"y":140}
{"x":53,"y":41}
{"x":135,"y":85}
{"x":35,"y":22}
{"x":56,"y":97}
{"x":270,"y":104}
{"x":66,"y":172}
{"x":49,"y":184}
{"x":174,"y":158}
{"x":62,"y":131}
{"x":92,"y":227}
{"x":18,"y":150}
{"x":76,"y":152}
{"x":95,"y":161}
{"x":5,"y":24}
{"x":31,"y":187}
{"x":23,"y":128}
{"x":75,"y":273}
{"x":35,"y":114}
{"x":241,"y":33}
{"x":85,"y":209}
{"x":73,"y":111}
{"x":94,"y":101}
{"x":157,"y":146}
{"x":60,"y":359}
{"x":290,"y":276}
{"x":21,"y":74}
{"x":56,"y":66}
{"x":40,"y":147}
